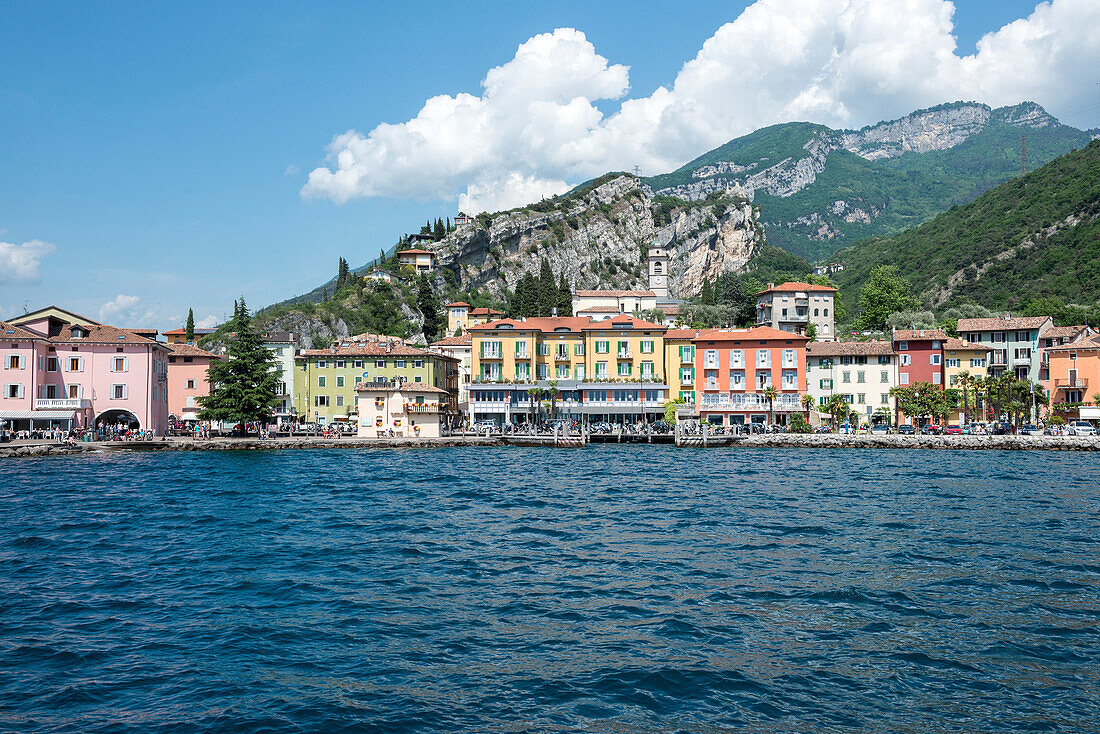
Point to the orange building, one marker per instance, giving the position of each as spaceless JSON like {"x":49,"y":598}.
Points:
{"x":1075,"y":378}
{"x":734,"y":368}
{"x":187,"y":381}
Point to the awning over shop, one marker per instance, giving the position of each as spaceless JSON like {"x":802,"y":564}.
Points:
{"x":1089,"y":412}
{"x":44,"y":415}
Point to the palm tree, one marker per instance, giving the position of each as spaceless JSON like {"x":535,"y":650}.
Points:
{"x":534,"y":393}
{"x":836,"y":406}
{"x":963,"y":382}
{"x":807,"y":405}
{"x":770,"y":394}
{"x":553,"y":392}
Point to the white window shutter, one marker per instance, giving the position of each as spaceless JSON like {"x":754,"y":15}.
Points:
{"x":125,"y":364}
{"x":41,"y":391}
{"x":20,"y":391}
{"x":125,"y":392}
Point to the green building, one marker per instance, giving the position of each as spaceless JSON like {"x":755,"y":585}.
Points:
{"x":324,"y":379}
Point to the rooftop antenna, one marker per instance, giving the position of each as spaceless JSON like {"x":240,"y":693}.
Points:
{"x":636,"y":171}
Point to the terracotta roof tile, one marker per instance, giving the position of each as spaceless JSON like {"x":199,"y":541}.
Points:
{"x":794,"y":285}
{"x":916,"y":335}
{"x":452,"y":341}
{"x":11,"y":331}
{"x":961,"y":345}
{"x":681,"y":333}
{"x":370,"y":349}
{"x":831,"y":349}
{"x":103,"y":334}
{"x":756,"y":332}
{"x":406,"y":387}
{"x":186,"y":350}
{"x":1064,"y":332}
{"x":1084,"y":342}
{"x":456,"y":304}
{"x":1002,"y":324}
{"x":414,"y":251}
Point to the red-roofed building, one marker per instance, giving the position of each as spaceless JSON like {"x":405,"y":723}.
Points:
{"x":793,"y":306}
{"x":419,"y":260}
{"x":735,"y":367}
{"x":461,"y":316}
{"x":920,"y":356}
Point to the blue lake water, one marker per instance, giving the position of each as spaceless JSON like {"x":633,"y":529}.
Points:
{"x":623,"y":589}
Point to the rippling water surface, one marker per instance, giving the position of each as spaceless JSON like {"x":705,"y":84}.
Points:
{"x":621,"y":589}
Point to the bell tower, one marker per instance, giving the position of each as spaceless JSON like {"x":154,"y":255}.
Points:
{"x":658,"y":271}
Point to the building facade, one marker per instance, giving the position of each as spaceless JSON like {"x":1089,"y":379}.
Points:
{"x":657,"y":260}
{"x":735,"y":367}
{"x":70,"y":372}
{"x":863,"y":373}
{"x":461,"y":316}
{"x":1014,"y":343}
{"x":387,"y":409}
{"x":179,"y":336}
{"x":1075,"y":378}
{"x":962,"y":357}
{"x":325,"y":379}
{"x":611,"y":303}
{"x":601,"y":370}
{"x":283,"y":345}
{"x":793,"y":306}
{"x":461,"y":348}
{"x":187,"y":380}
{"x":920,"y":356}
{"x":419,"y":260}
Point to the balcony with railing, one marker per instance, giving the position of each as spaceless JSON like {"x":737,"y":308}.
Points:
{"x":626,"y":354}
{"x":561,"y":357}
{"x":62,"y":403}
{"x":1079,"y":382}
{"x":799,"y":318}
{"x":749,"y":401}
{"x":423,"y":407}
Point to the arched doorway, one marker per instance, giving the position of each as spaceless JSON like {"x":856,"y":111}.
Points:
{"x":113,"y":418}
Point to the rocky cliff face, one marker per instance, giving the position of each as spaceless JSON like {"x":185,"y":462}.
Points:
{"x":597,"y":237}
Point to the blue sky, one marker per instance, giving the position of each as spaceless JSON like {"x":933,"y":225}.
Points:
{"x":161,"y":150}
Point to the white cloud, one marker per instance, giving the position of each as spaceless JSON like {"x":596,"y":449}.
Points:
{"x":208,"y":322}
{"x":20,"y":263}
{"x":126,"y":312}
{"x":844,"y":63}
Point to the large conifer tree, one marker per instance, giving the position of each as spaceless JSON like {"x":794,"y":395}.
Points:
{"x":565,"y":297}
{"x":242,"y":387}
{"x":190,"y":327}
{"x":548,"y":290}
{"x":429,"y":307}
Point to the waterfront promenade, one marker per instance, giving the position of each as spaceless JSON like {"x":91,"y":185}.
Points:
{"x":779,"y":440}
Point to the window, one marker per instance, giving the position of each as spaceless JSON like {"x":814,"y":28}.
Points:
{"x":544,"y":349}
{"x":13,"y":391}
{"x":763,"y":358}
{"x":322,"y":364}
{"x":339,"y":381}
{"x":789,"y":358}
{"x":737,"y":358}
{"x":884,"y":398}
{"x":418,"y":363}
{"x":523,"y":371}
{"x":624,"y":369}
{"x":647,"y":346}
{"x":51,"y":364}
{"x":647,"y":370}
{"x":563,"y":372}
{"x":861,"y":398}
{"x":418,"y":378}
{"x":952,"y":362}
{"x":825,"y":312}
{"x":817,"y":312}
{"x":602,"y":347}
{"x":119,"y":392}
{"x":903,"y":346}
{"x":884,"y":376}
{"x":321,"y":401}
{"x":190,"y":384}
{"x":737,"y":379}
{"x":579,"y":372}
{"x":861,"y":376}
{"x":712,"y":379}
{"x":977,"y":362}
{"x":578,"y":350}
{"x":601,"y":370}
{"x":936,"y":359}
{"x":710,"y":359}
{"x":687,"y":375}
{"x":339,"y":364}
{"x":76,"y":364}
{"x":400,"y":364}
{"x":75,"y":391}
{"x":884,"y":359}
{"x":936,"y":378}
{"x":119,"y":364}
{"x":905,"y":359}
{"x":543,"y":371}
{"x":845,"y":360}
{"x":379,"y":363}
{"x":846,"y":377}
{"x":903,"y":378}
{"x":825,"y":384}
{"x":339,"y":401}
{"x":790,"y":380}
{"x":321,"y":381}
{"x":358,"y":364}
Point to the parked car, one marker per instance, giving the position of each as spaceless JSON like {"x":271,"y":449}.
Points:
{"x":880,"y":429}
{"x":1081,"y":428}
{"x":953,"y":430}
{"x":483,"y":426}
{"x":999,"y":429}
{"x":1052,"y":431}
{"x":907,"y":430}
{"x":1030,"y":429}
{"x":931,"y":430}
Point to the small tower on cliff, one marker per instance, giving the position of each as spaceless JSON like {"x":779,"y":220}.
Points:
{"x":658,"y":271}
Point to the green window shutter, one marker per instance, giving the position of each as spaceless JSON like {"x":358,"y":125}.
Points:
{"x":681,"y":348}
{"x":692,"y":375}
{"x":481,"y":349}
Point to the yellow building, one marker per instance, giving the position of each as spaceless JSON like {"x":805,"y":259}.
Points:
{"x":961,"y":356}
{"x":613,"y":368}
{"x":680,"y":363}
{"x":420,"y":261}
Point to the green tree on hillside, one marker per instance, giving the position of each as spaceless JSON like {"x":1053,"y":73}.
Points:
{"x":242,"y":387}
{"x":190,"y":327}
{"x":429,"y":307}
{"x":548,"y":290}
{"x":565,"y":297}
{"x":439,"y":232}
{"x":884,"y":293}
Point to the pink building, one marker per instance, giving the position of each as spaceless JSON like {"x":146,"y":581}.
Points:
{"x":65,"y":370}
{"x":187,"y":381}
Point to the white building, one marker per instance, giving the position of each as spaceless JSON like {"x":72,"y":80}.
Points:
{"x":862,"y":372}
{"x":283,"y":344}
{"x":405,"y":409}
{"x":793,"y":306}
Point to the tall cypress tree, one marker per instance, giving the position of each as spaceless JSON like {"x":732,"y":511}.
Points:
{"x":565,"y":297}
{"x":429,"y":307}
{"x":439,"y":233}
{"x":342,"y":274}
{"x":190,"y":327}
{"x":242,"y":387}
{"x":547,"y":290}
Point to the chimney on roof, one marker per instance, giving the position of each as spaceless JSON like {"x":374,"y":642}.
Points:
{"x":554,"y":311}
{"x":770,"y":286}
{"x":332,"y":349}
{"x":389,"y":346}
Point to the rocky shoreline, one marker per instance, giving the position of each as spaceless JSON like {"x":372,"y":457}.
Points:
{"x":1000,"y":443}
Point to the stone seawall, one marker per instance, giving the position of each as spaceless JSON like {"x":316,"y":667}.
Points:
{"x":1002,"y":443}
